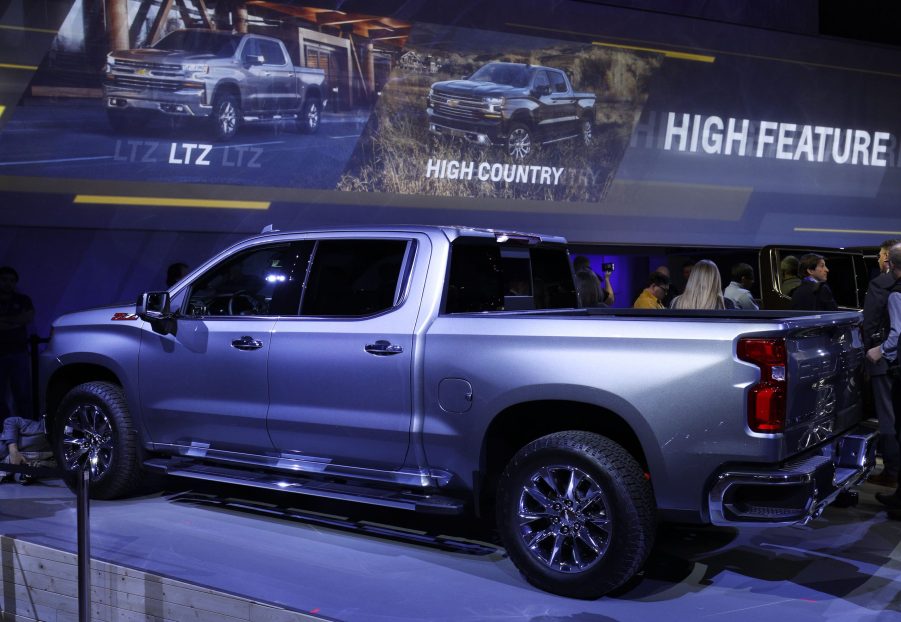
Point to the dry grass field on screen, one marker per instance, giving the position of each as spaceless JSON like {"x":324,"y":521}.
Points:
{"x":396,"y":145}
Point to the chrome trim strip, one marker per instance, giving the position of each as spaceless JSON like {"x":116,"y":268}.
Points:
{"x":287,"y":463}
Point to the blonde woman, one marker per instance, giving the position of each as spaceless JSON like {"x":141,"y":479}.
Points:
{"x":703,"y":289}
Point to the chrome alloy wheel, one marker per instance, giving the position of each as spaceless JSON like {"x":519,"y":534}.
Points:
{"x":88,"y":438}
{"x":519,"y":144}
{"x":563,"y":518}
{"x":312,"y":119}
{"x":227,"y":118}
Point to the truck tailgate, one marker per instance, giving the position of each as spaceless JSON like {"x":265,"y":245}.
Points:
{"x":825,"y":375}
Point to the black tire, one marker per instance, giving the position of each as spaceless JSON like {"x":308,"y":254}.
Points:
{"x":519,"y":143}
{"x":93,"y":425}
{"x":226,"y":116}
{"x":310,"y":117}
{"x":579,"y":541}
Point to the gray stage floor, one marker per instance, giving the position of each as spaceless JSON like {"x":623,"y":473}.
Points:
{"x":353,"y":564}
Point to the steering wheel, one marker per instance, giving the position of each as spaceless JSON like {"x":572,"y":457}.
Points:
{"x":243,"y":303}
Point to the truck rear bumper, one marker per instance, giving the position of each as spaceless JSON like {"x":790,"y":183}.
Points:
{"x":797,"y":492}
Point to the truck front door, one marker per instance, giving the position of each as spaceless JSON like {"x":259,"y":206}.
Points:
{"x":340,"y":372}
{"x":269,"y":81}
{"x":206,"y":387}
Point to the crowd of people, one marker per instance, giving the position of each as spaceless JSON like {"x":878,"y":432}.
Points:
{"x":804,"y":280}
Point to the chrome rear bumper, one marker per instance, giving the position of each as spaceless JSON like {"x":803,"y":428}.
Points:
{"x":797,"y":492}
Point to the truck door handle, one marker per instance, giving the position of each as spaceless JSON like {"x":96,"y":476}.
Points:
{"x":247,"y":343}
{"x":383,"y":348}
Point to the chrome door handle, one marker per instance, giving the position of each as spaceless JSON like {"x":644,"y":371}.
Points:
{"x":247,"y":343}
{"x":383,"y":348}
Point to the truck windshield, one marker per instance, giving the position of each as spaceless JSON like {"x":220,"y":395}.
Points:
{"x":200,"y":42}
{"x":503,"y":73}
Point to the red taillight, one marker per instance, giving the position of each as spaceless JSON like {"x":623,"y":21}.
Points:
{"x":766,"y":399}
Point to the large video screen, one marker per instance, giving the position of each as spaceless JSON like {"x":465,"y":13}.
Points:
{"x":599,"y":123}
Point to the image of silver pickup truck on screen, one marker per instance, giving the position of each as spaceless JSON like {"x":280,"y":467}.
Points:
{"x":513,"y":105}
{"x":222,"y":79}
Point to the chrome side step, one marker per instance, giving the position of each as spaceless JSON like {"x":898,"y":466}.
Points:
{"x":329,"y":489}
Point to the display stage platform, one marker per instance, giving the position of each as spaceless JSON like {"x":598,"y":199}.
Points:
{"x":200,"y":554}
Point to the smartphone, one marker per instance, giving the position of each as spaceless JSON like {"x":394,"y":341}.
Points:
{"x":608,"y":267}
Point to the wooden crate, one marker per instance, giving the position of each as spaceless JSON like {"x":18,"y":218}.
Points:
{"x":41,"y":584}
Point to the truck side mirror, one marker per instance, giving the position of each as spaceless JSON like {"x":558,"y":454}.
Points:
{"x":541,"y":90}
{"x":153,"y":307}
{"x":254,"y":59}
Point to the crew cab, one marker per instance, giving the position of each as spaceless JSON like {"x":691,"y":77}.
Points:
{"x":513,"y":105}
{"x":222,"y":78}
{"x":450,"y":370}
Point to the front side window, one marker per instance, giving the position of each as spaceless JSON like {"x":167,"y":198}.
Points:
{"x":272,"y":53}
{"x":355,"y":278}
{"x":541,"y":80}
{"x":261,"y":281}
{"x":558,"y":82}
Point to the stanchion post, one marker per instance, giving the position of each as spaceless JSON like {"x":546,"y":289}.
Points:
{"x":33,"y":341}
{"x":82,"y":497}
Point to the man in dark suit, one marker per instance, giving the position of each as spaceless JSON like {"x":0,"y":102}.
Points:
{"x":875,"y":330}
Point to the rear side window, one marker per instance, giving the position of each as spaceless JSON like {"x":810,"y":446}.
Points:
{"x":354,"y":278}
{"x":487,"y":276}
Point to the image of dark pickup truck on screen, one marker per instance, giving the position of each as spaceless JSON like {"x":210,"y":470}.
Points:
{"x":220,"y":78}
{"x":513,"y":105}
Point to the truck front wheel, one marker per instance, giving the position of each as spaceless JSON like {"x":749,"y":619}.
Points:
{"x":226,"y":116}
{"x":576,"y":514}
{"x":309,"y":119}
{"x":93,"y":428}
{"x":519,"y":143}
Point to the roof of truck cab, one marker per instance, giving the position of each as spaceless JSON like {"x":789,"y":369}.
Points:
{"x":450,"y":231}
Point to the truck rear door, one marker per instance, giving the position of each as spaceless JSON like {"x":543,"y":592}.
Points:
{"x":340,"y":371}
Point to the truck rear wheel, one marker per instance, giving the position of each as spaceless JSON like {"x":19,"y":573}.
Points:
{"x":519,"y":143}
{"x":93,"y":427}
{"x":226,"y":116}
{"x":576,"y":514}
{"x":310,"y":117}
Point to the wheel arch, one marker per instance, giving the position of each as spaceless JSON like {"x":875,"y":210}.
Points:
{"x":227,"y":88}
{"x":313,"y":92}
{"x":523,"y":116}
{"x":67,"y":378}
{"x":518,"y":425}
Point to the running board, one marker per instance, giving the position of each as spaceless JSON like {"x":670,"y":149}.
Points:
{"x":343,"y":491}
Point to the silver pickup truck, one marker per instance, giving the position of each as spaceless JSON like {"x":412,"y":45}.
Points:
{"x":450,"y":370}
{"x":223,"y":78}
